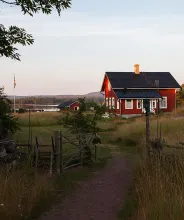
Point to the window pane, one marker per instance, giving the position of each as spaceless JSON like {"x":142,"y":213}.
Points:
{"x":117,"y":104}
{"x":163,"y":102}
{"x":139,"y":104}
{"x":153,"y":103}
{"x":107,"y":102}
{"x":113,"y":102}
{"x":129,"y":104}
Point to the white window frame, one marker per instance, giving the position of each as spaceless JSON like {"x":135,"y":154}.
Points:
{"x":109,"y":86}
{"x":163,"y":107}
{"x":141,"y":104}
{"x":110,"y":103}
{"x":76,"y":108}
{"x":154,"y":101}
{"x":118,"y":105}
{"x":131,"y":104}
{"x":106,"y":102}
{"x":113,"y":102}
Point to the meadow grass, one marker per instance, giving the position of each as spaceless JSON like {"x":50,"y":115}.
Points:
{"x":24,"y":194}
{"x":158,"y":187}
{"x":19,"y":192}
{"x":157,"y":191}
{"x":160,"y":190}
{"x":39,"y":119}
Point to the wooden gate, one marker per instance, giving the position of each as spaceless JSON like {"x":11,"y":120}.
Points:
{"x":66,"y":152}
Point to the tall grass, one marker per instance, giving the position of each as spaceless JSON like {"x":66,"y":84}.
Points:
{"x":39,"y":118}
{"x":159,"y":183}
{"x":172,"y":130}
{"x":160,"y":190}
{"x":23,"y":194}
{"x":20,"y":192}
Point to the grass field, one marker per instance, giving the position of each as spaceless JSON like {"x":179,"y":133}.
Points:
{"x":158,"y":188}
{"x":157,"y":191}
{"x":24,"y":194}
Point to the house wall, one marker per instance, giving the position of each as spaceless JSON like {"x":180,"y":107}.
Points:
{"x":75,"y":104}
{"x":130,"y":111}
{"x":171,"y":99}
{"x":109,"y":93}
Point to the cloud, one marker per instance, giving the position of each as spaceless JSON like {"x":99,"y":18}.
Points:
{"x":87,"y":24}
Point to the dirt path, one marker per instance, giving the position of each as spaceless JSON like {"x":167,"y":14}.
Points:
{"x":99,"y":198}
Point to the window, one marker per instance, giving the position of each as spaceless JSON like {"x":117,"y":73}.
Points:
{"x":110,"y":103}
{"x":113,"y":102}
{"x":154,"y":104}
{"x":163,"y":102}
{"x":118,"y":104}
{"x":128,"y":104}
{"x":107,"y":102}
{"x":76,"y":108}
{"x":139,"y":104}
{"x":109,"y":86}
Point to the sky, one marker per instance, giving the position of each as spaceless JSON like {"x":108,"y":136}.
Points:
{"x":72,"y":52}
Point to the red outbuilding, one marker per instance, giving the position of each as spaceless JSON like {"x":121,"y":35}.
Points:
{"x":70,"y":104}
{"x":125,"y":91}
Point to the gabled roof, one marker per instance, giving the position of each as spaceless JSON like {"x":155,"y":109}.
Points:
{"x":131,"y":80}
{"x":137,"y":94}
{"x":66,"y":104}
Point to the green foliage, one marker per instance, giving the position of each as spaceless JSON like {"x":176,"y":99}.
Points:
{"x":10,"y":37}
{"x":180,"y":97}
{"x":85,"y":119}
{"x":13,"y":35}
{"x":21,"y":110}
{"x":8,"y":123}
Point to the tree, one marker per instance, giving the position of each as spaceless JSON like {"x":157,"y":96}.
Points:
{"x":180,"y":97}
{"x":13,"y":35}
{"x":83,"y":123}
{"x":8,"y":123}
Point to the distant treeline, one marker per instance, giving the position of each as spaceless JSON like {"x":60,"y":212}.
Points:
{"x":51,"y":100}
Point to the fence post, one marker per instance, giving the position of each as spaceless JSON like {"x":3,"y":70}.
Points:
{"x":148,"y":136}
{"x":56,"y":135}
{"x":36,"y":154}
{"x":95,"y":152}
{"x":61,"y":151}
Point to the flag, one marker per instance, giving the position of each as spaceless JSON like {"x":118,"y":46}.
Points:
{"x":14,"y":82}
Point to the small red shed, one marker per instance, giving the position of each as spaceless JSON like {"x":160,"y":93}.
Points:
{"x":125,"y":91}
{"x":72,"y":105}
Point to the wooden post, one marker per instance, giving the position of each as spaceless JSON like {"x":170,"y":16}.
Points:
{"x":36,"y":154}
{"x":95,"y":152}
{"x":51,"y":162}
{"x":56,"y":135}
{"x":81,"y":153}
{"x":61,"y":151}
{"x":148,"y":135}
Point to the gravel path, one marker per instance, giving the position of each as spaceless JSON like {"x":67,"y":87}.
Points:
{"x":99,"y":198}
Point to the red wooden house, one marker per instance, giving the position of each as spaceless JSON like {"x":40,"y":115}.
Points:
{"x":124,"y":91}
{"x":71,"y":105}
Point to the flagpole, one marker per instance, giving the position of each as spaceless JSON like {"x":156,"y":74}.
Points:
{"x":14,"y":100}
{"x":14,"y":92}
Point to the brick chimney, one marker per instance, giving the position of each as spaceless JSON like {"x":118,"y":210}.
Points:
{"x":136,"y":69}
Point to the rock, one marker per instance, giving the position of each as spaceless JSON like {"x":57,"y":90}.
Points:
{"x":3,"y":153}
{"x":10,"y":147}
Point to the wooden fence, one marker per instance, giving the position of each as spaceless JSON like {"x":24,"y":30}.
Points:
{"x":65,"y":152}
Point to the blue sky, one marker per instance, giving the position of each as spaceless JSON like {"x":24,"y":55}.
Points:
{"x":71,"y":53}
